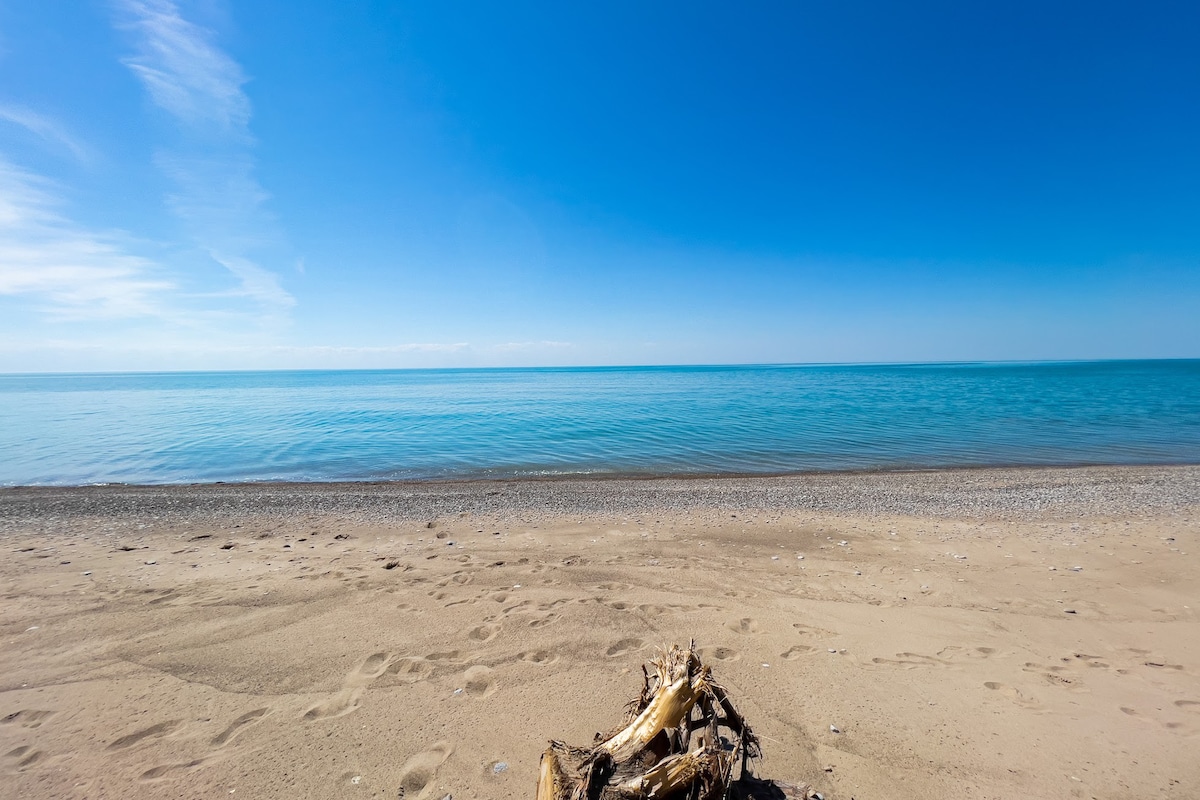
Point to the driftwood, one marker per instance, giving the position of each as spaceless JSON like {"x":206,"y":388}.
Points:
{"x":682,"y":739}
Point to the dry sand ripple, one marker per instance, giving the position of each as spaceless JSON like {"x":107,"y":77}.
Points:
{"x":984,"y":633}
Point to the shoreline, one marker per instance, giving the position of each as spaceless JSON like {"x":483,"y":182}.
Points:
{"x":483,"y":476}
{"x":1018,"y":492}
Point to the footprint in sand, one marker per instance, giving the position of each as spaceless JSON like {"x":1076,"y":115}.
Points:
{"x":655,"y":610}
{"x":808,"y":630}
{"x":451,"y":656}
{"x":1189,"y":705}
{"x":410,"y":669}
{"x":719,"y":654}
{"x":341,"y":704}
{"x":419,"y":773}
{"x":1133,"y":712}
{"x":154,"y":731}
{"x":909,"y":661}
{"x":459,"y":578}
{"x":372,"y":666}
{"x":347,"y":699}
{"x":795,"y":651}
{"x":1051,"y":675}
{"x":480,"y":682}
{"x":953,"y":651}
{"x":163,"y":770}
{"x":624,"y":646}
{"x":542,"y":621}
{"x":1012,"y":694}
{"x":513,"y":609}
{"x":26,"y":756}
{"x":484,"y":633}
{"x":226,"y":736}
{"x":745,"y":625}
{"x":541,"y":657}
{"x":27,"y":718}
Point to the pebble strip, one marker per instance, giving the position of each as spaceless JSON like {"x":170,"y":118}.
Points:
{"x":1017,"y":493}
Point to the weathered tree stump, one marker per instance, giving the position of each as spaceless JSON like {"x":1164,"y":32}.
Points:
{"x":682,"y":738}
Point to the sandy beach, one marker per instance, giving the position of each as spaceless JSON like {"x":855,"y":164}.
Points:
{"x":1024,"y":633}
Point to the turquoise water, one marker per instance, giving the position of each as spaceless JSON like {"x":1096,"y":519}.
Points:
{"x":424,"y":424}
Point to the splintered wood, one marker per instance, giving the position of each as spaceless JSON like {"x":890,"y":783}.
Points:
{"x":682,"y":738}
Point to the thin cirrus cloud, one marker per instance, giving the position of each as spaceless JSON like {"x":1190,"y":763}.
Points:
{"x":69,"y":272}
{"x":45,"y":128}
{"x":216,"y":194}
{"x":516,"y":347}
{"x":184,"y":72}
{"x":72,"y":272}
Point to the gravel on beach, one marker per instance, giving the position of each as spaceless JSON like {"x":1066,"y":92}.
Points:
{"x":1009,"y":493}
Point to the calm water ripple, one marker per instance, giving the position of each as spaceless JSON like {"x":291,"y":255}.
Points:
{"x":414,"y":424}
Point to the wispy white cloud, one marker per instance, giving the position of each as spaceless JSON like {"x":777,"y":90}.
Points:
{"x":514,"y":347}
{"x":73,"y":273}
{"x":217,"y":196}
{"x":184,"y":72}
{"x":414,"y":347}
{"x":305,"y":351}
{"x":256,"y":282}
{"x":175,"y":353}
{"x":44,"y":128}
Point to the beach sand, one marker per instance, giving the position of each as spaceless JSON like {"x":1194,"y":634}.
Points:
{"x":969,"y":634}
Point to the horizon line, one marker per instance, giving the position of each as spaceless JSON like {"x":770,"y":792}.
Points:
{"x":728,"y":365}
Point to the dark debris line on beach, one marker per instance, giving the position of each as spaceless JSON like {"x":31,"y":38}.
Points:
{"x":971,"y":493}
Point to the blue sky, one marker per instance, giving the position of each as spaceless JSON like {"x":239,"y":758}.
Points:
{"x":213,"y":185}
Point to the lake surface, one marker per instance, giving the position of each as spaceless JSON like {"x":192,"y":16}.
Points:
{"x":437,"y":424}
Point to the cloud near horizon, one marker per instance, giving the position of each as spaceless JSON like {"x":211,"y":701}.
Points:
{"x":173,"y":354}
{"x":517,"y":347}
{"x":73,"y":273}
